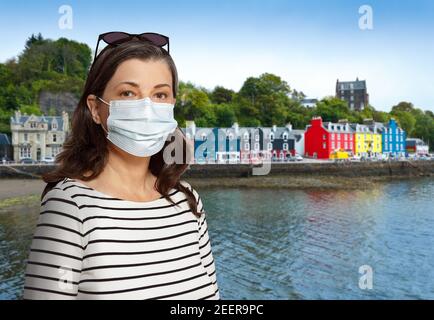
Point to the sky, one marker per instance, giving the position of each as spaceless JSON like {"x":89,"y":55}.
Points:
{"x":309,"y":44}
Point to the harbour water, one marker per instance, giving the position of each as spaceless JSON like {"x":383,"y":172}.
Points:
{"x":293,"y":244}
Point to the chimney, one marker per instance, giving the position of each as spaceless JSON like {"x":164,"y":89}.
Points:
{"x":316,"y":122}
{"x":369,"y":121}
{"x":17,"y":116}
{"x":289,"y":126}
{"x":236,"y":127}
{"x":65,"y":120}
{"x":190,"y":124}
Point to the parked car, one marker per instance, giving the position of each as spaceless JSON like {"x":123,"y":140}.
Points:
{"x":47,"y":160}
{"x":298,"y":157}
{"x":27,"y":161}
{"x":412,"y":156}
{"x":355,"y":158}
{"x":6,"y":160}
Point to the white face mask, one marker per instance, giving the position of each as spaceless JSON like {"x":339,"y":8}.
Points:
{"x":140,"y":127}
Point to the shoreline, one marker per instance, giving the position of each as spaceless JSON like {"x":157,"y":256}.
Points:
{"x":14,"y":192}
{"x":300,"y":183}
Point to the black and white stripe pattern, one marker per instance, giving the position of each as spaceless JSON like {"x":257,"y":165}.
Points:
{"x":88,"y":245}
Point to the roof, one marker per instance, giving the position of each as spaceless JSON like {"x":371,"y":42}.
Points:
{"x":21,"y":119}
{"x":357,"y":85}
{"x":309,"y":101}
{"x":4,"y":139}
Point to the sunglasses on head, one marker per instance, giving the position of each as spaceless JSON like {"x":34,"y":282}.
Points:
{"x":117,"y":37}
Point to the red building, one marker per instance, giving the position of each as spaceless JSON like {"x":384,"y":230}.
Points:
{"x":323,"y":138}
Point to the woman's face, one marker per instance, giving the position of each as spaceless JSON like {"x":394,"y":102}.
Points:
{"x":134,"y":79}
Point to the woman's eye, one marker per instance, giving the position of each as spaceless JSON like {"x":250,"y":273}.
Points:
{"x":161,"y":95}
{"x":127,"y":93}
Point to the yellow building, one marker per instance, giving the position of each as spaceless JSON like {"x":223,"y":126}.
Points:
{"x":367,"y":143}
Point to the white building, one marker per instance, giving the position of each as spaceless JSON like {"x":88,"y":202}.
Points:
{"x":37,"y":137}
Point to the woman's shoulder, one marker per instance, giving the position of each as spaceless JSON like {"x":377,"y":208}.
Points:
{"x":195,"y":193}
{"x":58,"y":195}
{"x":187,"y":185}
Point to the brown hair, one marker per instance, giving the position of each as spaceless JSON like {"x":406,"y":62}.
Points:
{"x":85,"y":148}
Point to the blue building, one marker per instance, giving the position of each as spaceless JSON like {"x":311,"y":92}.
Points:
{"x":214,"y":145}
{"x":393,"y":139}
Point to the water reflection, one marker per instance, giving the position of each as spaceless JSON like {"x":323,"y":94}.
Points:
{"x":286,"y":244}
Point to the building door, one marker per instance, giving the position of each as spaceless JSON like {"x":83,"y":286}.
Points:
{"x":38,"y":154}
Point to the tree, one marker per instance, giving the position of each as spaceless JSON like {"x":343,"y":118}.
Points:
{"x":403,"y":106}
{"x":406,"y":121}
{"x":225,"y":115}
{"x":221,"y":95}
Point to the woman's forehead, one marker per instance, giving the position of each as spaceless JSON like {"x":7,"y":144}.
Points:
{"x":145,"y":73}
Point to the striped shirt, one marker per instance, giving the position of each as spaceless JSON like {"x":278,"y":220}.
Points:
{"x":88,"y":245}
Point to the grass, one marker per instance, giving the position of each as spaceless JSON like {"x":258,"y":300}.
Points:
{"x":28,"y":199}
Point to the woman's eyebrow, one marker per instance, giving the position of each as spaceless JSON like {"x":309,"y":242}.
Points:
{"x":161,"y":85}
{"x":131,"y":83}
{"x":134,"y":84}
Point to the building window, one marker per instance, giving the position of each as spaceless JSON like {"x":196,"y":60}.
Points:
{"x":203,"y":137}
{"x":270,"y":146}
{"x":332,"y":136}
{"x":25,"y":152}
{"x":333,"y":145}
{"x":338,"y":136}
{"x":38,"y":137}
{"x":54,"y":126}
{"x":246,"y":146}
{"x":256,"y":137}
{"x":54,"y":151}
{"x":352,"y":105}
{"x":26,"y":137}
{"x":54,"y":138}
{"x":324,"y":145}
{"x":324,"y":137}
{"x":271,"y":136}
{"x":352,"y":98}
{"x":285,"y":146}
{"x":256,"y":146}
{"x":246,"y":136}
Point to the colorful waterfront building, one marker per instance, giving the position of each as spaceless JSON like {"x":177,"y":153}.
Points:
{"x":417,"y":146}
{"x":394,"y":139}
{"x":367,"y":140}
{"x":323,"y":138}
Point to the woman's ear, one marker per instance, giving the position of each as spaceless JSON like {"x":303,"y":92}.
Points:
{"x":92,"y":104}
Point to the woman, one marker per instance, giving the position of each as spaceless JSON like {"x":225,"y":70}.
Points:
{"x":116,"y":220}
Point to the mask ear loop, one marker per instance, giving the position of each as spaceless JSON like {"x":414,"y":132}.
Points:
{"x":103,"y":101}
